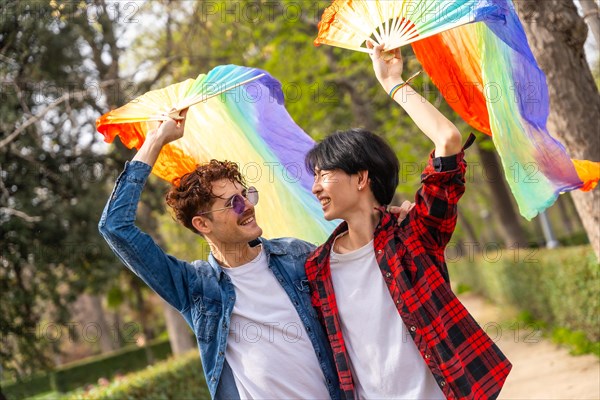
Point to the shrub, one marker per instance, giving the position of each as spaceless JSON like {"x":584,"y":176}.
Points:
{"x":27,"y":387}
{"x":560,"y":287}
{"x":176,"y":378}
{"x":89,"y":370}
{"x":122,"y":361}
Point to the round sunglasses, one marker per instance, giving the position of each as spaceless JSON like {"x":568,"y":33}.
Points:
{"x":238,"y":202}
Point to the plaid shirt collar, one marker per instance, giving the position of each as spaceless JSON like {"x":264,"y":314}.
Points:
{"x":321,"y":254}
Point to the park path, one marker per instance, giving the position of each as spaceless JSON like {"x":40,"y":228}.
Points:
{"x":541,"y":369}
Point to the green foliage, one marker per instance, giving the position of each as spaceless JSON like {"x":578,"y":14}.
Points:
{"x":560,"y":287}
{"x":178,"y":378}
{"x":577,"y":341}
{"x":30,"y":387}
{"x":575,"y":239}
{"x":125,"y":360}
{"x":181,"y":243}
{"x":75,"y":375}
{"x":462,"y":288}
{"x":52,"y":186}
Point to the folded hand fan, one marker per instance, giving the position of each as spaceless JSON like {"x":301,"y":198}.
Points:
{"x":487,"y":74}
{"x":241,"y":117}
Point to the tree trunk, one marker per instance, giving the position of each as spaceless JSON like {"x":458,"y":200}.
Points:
{"x":591,"y":15}
{"x":511,"y":231}
{"x":557,"y":35}
{"x":94,"y":326}
{"x":136,"y":286}
{"x":179,"y":331}
{"x":567,"y":222}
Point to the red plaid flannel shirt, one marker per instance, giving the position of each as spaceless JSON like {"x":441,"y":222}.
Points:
{"x":463,"y":359}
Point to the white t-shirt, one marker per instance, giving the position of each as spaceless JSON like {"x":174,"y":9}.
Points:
{"x":385,"y":361}
{"x":268,"y":348}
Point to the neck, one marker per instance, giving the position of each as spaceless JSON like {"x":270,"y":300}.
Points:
{"x":361,"y":226}
{"x":232,"y":255}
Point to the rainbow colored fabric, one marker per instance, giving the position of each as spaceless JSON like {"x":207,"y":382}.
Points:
{"x":489,"y":76}
{"x":248,"y":125}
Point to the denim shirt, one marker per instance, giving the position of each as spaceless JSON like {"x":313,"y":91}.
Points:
{"x":201,"y":291}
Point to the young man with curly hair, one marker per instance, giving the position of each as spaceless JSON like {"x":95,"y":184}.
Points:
{"x":248,"y":305}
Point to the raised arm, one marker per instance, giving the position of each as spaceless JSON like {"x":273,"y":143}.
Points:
{"x":431,"y":122}
{"x":166,"y":275}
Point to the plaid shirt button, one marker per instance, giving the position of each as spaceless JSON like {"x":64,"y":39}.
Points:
{"x":443,"y":383}
{"x":413,"y":328}
{"x":379,"y":251}
{"x":427,"y":356}
{"x":388,"y":274}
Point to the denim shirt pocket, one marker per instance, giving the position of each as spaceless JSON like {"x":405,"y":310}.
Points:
{"x":206,"y":313}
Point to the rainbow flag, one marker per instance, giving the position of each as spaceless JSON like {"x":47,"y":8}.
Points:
{"x":248,"y":125}
{"x":489,"y":76}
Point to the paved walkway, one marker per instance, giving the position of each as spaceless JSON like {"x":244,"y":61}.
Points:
{"x":541,"y":369}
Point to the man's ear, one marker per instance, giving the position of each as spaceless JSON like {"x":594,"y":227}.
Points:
{"x":363,"y":179}
{"x":202,"y":224}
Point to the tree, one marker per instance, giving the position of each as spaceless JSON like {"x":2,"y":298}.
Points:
{"x":512,"y":232}
{"x":557,"y":35}
{"x":51,"y":251}
{"x":60,"y":70}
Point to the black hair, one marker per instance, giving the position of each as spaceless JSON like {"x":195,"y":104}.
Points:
{"x":359,"y":150}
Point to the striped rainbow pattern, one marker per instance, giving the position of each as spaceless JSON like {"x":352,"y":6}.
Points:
{"x":477,"y":54}
{"x":248,"y":125}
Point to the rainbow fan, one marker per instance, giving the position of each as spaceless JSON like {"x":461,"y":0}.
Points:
{"x":240,"y":117}
{"x":487,"y":74}
{"x":349,"y":23}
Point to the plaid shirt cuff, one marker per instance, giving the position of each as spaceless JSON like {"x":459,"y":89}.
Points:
{"x":444,"y":168}
{"x":443,"y":164}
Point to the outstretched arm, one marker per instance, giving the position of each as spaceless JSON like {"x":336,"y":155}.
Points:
{"x":432,"y":123}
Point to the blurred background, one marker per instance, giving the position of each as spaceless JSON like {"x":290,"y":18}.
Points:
{"x":75,"y":323}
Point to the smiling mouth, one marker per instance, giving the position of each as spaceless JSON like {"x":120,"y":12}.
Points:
{"x":247,"y":220}
{"x":325,"y":201}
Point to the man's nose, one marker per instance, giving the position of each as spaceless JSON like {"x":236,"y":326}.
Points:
{"x":316,"y":186}
{"x":247,"y":204}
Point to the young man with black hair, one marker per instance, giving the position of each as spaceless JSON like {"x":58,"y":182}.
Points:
{"x":249,"y":304}
{"x":381,"y":289}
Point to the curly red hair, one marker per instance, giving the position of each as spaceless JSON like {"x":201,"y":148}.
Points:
{"x":192,"y":193}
